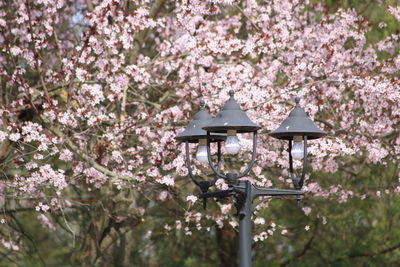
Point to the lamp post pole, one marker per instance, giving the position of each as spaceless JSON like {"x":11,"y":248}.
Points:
{"x":245,"y":236}
{"x":244,"y":193}
{"x":297,"y":128}
{"x":245,"y":210}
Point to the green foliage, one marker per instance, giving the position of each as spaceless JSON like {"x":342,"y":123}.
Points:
{"x":374,"y":12}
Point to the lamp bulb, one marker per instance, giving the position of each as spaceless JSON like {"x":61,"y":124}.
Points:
{"x":201,"y":154}
{"x":297,"y":151}
{"x":232,"y":145}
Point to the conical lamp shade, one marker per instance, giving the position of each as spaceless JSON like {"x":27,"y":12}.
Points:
{"x":231,"y":117}
{"x":297,"y":124}
{"x":194,"y":132}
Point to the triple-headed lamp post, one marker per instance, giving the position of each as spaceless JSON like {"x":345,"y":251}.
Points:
{"x":297,"y":128}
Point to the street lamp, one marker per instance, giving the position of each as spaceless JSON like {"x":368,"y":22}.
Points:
{"x":230,"y":121}
{"x":297,"y":128}
{"x":195,"y":134}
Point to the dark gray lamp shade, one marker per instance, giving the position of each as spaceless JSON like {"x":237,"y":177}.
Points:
{"x":297,"y":124}
{"x":194,"y":131}
{"x":231,"y":117}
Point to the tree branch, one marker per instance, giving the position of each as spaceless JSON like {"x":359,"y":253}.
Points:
{"x":90,"y":159}
{"x":36,"y":53}
{"x":371,"y":254}
{"x":134,"y":53}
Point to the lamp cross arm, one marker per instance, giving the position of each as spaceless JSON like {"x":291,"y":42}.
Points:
{"x":218,"y":194}
{"x":257,"y":191}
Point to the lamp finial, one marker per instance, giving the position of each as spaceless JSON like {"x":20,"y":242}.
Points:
{"x":202,"y":104}
{"x":297,"y":100}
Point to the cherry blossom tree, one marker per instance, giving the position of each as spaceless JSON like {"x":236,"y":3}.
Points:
{"x":93,"y":93}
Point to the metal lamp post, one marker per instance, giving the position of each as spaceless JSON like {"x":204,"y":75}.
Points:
{"x":224,"y":127}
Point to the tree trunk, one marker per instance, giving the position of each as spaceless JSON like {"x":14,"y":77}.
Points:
{"x":227,"y":239}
